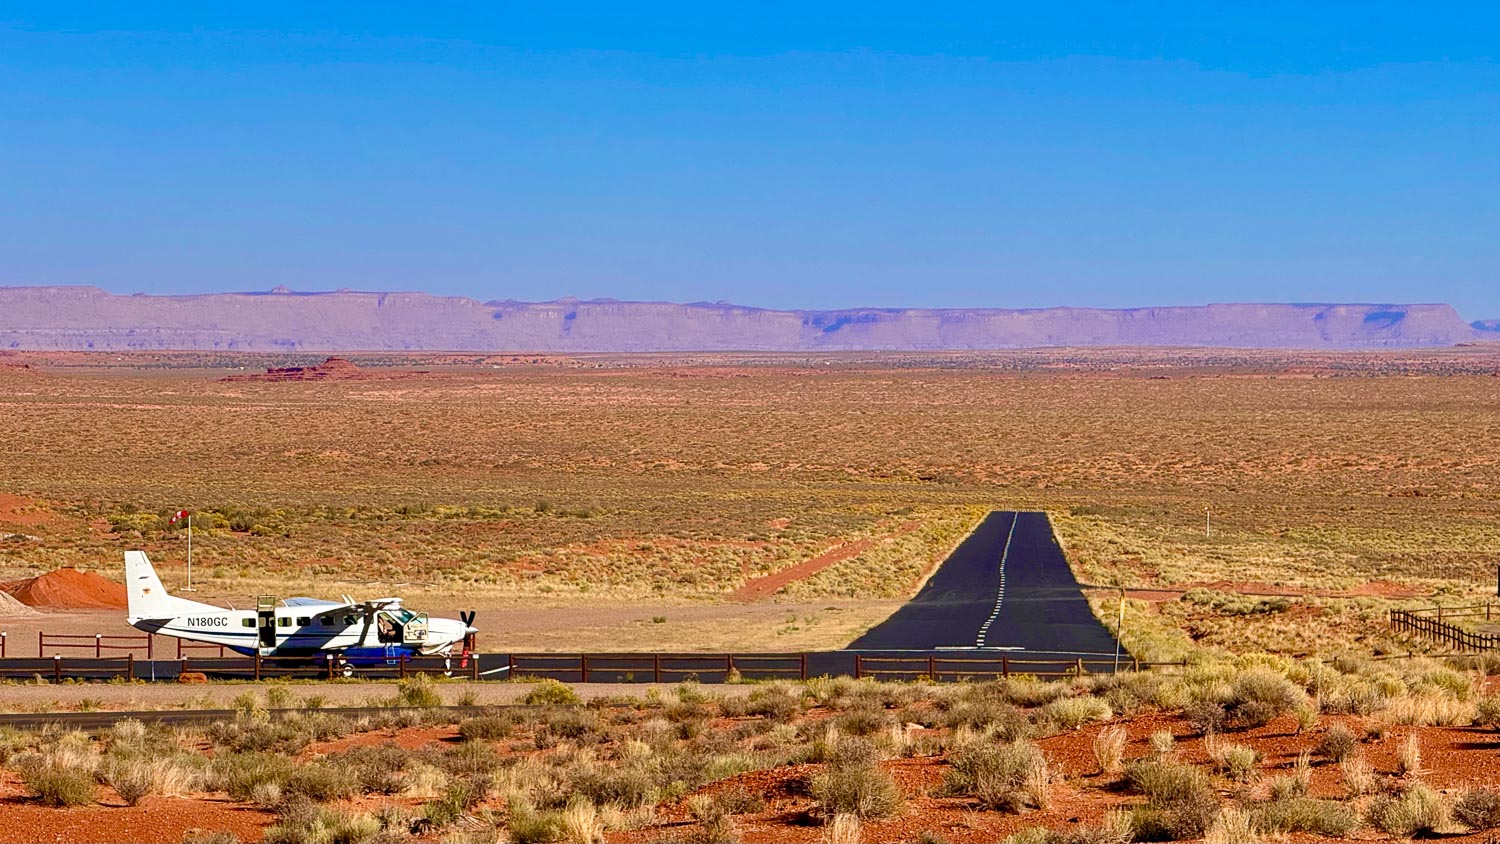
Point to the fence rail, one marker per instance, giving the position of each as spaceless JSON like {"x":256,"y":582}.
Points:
{"x":938,"y":668}
{"x":98,"y":643}
{"x":657,"y":668}
{"x":1435,"y":629}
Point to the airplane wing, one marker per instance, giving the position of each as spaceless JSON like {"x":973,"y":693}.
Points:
{"x":312,"y":602}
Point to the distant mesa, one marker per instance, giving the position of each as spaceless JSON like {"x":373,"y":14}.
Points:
{"x":282,"y":320}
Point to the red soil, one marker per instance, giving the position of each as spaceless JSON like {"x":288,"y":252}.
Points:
{"x":24,"y":512}
{"x":155,"y":819}
{"x":1453,"y":758}
{"x":764,"y":587}
{"x":68,"y":589}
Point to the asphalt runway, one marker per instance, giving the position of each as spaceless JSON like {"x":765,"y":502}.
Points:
{"x":1008,"y":586}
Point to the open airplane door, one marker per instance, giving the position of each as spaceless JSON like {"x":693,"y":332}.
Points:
{"x":415,"y":630}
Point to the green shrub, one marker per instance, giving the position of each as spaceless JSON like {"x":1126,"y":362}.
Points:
{"x":1478,"y":809}
{"x":460,"y":796}
{"x":853,"y":783}
{"x":319,"y":825}
{"x":1206,"y":717}
{"x":1326,"y":818}
{"x":57,"y":784}
{"x":1007,"y":777}
{"x":1336,"y":744}
{"x":528,"y":826}
{"x":417,"y":692}
{"x":1000,"y":718}
{"x":1164,"y":781}
{"x":131,"y":779}
{"x":550,"y":692}
{"x":629,"y":786}
{"x":773,"y":702}
{"x":377,"y":770}
{"x":1487,"y":712}
{"x":1180,"y":802}
{"x":1418,"y":809}
{"x":1238,"y":761}
{"x":1070,"y":713}
{"x":571,"y":725}
{"x":863,"y":721}
{"x":1260,"y":696}
{"x":238,"y":774}
{"x":1177,"y":821}
{"x":486,"y":727}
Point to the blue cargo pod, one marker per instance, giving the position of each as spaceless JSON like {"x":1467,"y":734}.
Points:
{"x":384,"y":655}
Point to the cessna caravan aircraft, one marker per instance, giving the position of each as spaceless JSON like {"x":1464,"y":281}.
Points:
{"x":358,"y":632}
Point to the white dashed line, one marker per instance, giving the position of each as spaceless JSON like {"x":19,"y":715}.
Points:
{"x":984,"y":629}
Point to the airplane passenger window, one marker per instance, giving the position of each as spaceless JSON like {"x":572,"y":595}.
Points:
{"x":247,"y":622}
{"x":327,"y":622}
{"x":303,"y":621}
{"x":284,"y":621}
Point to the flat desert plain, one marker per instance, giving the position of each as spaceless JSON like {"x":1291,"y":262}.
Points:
{"x":769,"y":502}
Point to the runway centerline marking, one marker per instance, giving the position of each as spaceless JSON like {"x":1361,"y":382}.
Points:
{"x":984,"y":629}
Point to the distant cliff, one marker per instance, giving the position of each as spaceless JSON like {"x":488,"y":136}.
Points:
{"x":75,"y":318}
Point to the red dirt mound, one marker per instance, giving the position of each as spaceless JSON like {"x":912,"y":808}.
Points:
{"x":332,"y":369}
{"x":68,"y":589}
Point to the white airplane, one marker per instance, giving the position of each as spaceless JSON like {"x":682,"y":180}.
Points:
{"x":357,"y":632}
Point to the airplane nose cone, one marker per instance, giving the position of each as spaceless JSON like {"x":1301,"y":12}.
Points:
{"x":469,"y":631}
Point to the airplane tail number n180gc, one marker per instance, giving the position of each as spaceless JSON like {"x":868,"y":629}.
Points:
{"x":356,"y":633}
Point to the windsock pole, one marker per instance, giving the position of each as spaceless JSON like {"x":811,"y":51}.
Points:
{"x":190,"y":555}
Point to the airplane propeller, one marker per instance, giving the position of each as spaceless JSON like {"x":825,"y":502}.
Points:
{"x":467,"y":617}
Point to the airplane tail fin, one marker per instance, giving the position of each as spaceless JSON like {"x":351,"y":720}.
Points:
{"x":144,"y":594}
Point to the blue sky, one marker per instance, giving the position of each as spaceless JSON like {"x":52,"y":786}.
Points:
{"x":859,"y":154}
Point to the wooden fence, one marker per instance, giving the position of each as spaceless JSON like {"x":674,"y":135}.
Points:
{"x":1432,"y":625}
{"x":657,"y":668}
{"x":98,"y":643}
{"x":956,"y":668}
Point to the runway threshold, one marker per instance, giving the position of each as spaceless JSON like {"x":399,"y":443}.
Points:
{"x":1006,"y":588}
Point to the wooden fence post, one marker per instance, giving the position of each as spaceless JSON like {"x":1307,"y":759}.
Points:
{"x":583,"y":666}
{"x":656,"y":668}
{"x":257,"y":665}
{"x":931,"y":668}
{"x":98,"y":645}
{"x":130,"y":665}
{"x":804,"y":666}
{"x":859,"y":666}
{"x":1005,"y":667}
{"x":474,"y":667}
{"x":57,"y":669}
